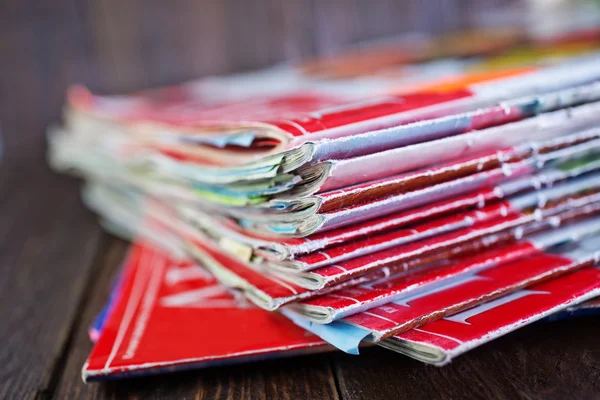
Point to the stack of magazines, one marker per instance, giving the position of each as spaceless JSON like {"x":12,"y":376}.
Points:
{"x":427,"y":197}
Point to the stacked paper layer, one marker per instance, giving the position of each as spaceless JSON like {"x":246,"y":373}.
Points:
{"x":428,"y":220}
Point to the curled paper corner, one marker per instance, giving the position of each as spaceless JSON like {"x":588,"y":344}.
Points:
{"x":343,"y":336}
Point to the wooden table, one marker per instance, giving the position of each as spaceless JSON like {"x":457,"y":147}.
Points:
{"x":56,"y":264}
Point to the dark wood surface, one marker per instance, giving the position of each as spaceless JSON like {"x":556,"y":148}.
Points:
{"x":56,"y":265}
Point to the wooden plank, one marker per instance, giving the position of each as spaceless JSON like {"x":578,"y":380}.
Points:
{"x":105,"y":270}
{"x":43,"y":49}
{"x":309,"y":377}
{"x":47,"y":238}
{"x":550,"y":360}
{"x":48,"y":242}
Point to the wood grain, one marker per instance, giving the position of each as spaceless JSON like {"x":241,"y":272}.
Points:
{"x":47,"y":238}
{"x":104,"y":272}
{"x":47,"y":243}
{"x":549,"y":360}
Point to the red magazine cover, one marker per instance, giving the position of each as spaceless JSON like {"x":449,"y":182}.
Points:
{"x":440,"y":341}
{"x":353,"y":300}
{"x":469,"y":290}
{"x":451,"y":297}
{"x":170,"y":314}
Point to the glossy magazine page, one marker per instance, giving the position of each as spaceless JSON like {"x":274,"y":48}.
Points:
{"x":170,"y":314}
{"x":440,"y":341}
